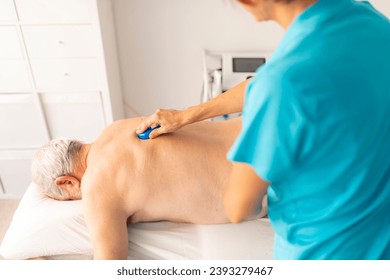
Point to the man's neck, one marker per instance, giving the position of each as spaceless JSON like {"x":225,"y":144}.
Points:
{"x":81,"y":164}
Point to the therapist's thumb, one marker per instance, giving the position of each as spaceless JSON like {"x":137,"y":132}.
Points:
{"x":157,"y":132}
{"x":144,"y":125}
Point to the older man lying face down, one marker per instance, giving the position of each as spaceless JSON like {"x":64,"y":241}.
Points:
{"x":121,"y":179}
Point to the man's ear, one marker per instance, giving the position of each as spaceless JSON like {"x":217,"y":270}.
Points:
{"x":67,"y":182}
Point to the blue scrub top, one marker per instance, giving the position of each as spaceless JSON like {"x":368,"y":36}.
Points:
{"x":316,"y":124}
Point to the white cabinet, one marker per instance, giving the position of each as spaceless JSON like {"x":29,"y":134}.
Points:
{"x":66,"y":74}
{"x":14,"y":75}
{"x":13,"y":67}
{"x":54,"y":10}
{"x":10,"y":46}
{"x":60,"y":41}
{"x":59,"y":77}
{"x":15,"y":173}
{"x":21,"y":123}
{"x":85,"y":115}
{"x":7,"y":11}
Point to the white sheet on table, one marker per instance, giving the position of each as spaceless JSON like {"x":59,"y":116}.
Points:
{"x":56,"y":229}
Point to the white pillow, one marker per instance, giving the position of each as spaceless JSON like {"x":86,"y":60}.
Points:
{"x":43,"y":227}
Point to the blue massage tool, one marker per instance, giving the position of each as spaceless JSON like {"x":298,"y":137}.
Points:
{"x":145,"y":135}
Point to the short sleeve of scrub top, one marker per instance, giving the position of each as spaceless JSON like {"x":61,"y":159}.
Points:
{"x":272,"y":126}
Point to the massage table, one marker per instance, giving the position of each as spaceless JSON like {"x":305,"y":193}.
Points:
{"x":43,"y":227}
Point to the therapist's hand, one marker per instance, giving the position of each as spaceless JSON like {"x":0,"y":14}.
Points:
{"x":169,"y":121}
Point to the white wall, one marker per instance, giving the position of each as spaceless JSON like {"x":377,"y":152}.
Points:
{"x":161,"y":41}
{"x":382,"y":5}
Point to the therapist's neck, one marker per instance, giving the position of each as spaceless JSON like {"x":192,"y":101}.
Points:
{"x":285,"y":13}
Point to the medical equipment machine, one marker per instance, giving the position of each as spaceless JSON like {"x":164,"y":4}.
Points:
{"x":223,"y":70}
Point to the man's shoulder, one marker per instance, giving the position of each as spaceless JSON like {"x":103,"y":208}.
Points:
{"x":128,"y":122}
{"x":117,"y":132}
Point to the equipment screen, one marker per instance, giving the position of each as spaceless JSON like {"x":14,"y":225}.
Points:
{"x":247,"y":64}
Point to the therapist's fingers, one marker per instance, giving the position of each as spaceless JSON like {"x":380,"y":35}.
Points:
{"x":149,"y":122}
{"x":165,"y":127}
{"x":157,"y":132}
{"x":169,"y":121}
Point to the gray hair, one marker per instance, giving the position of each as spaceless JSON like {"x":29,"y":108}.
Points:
{"x":56,"y":158}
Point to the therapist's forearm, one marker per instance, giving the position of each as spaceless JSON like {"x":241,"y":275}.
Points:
{"x":244,"y":194}
{"x":231,"y":101}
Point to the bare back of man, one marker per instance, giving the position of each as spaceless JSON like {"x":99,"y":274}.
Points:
{"x":177,"y":177}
